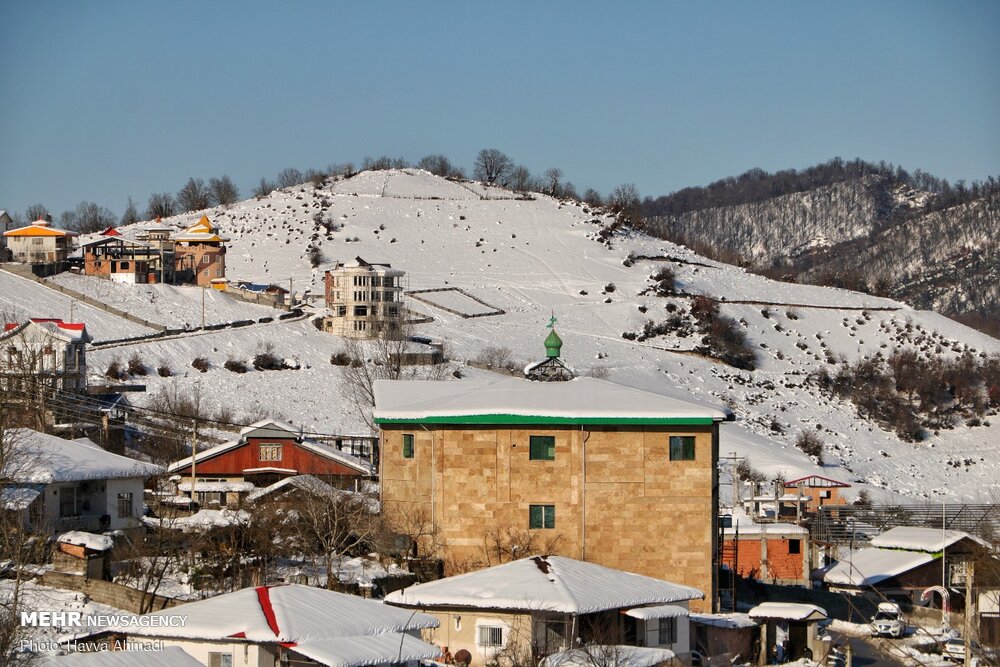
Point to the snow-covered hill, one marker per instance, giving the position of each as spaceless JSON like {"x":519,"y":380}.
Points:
{"x":534,"y":257}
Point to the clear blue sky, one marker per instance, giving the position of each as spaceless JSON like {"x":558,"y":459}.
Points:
{"x":102,"y":100}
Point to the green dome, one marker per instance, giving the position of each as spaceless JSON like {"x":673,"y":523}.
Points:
{"x":553,"y":344}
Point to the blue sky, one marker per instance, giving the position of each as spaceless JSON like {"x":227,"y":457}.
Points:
{"x":102,"y":100}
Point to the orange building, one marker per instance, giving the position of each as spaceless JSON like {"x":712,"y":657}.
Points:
{"x":200,"y":254}
{"x":774,"y":552}
{"x":39,"y":243}
{"x":819,"y":490}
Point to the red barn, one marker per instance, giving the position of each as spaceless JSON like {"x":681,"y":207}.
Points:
{"x":269,"y":451}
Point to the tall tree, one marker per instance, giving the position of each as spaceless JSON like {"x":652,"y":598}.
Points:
{"x":439,"y":165}
{"x":551,"y":178}
{"x":593,"y":197}
{"x":520,"y":178}
{"x":37,"y":212}
{"x":88,"y":218}
{"x":289,"y":177}
{"x":161,"y":205}
{"x":624,"y":202}
{"x":131,"y":214}
{"x":492,"y":166}
{"x":222,"y":190}
{"x":194,"y":196}
{"x":263,"y":189}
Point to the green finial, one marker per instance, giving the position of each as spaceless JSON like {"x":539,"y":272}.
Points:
{"x":553,"y":343}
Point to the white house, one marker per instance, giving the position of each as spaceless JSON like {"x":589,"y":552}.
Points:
{"x":45,"y":348}
{"x":39,"y":243}
{"x":168,"y":657}
{"x":544,"y":605}
{"x":288,"y":624}
{"x":62,"y":485}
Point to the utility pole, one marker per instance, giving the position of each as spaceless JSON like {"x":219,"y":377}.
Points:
{"x":72,"y":307}
{"x":194,"y":451}
{"x":291,"y":299}
{"x":202,"y":306}
{"x":970,"y":607}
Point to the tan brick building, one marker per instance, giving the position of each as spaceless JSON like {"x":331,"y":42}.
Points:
{"x":363,"y":299}
{"x":609,"y":474}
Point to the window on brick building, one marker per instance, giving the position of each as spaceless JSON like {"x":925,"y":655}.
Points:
{"x":794,"y":546}
{"x":682,"y":448}
{"x":407,"y":445}
{"x":542,"y":448}
{"x":541,"y":516}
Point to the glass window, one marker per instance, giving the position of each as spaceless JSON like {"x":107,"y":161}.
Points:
{"x":407,"y":445}
{"x":541,"y":516}
{"x":542,"y":448}
{"x":270,"y":452}
{"x":667,"y":631}
{"x":124,"y":505}
{"x":682,"y":448}
{"x":489,"y":635}
{"x":220,"y":659}
{"x":794,"y":546}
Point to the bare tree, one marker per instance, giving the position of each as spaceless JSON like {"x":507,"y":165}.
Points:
{"x":222,"y":190}
{"x":37,"y":212}
{"x":194,"y":196}
{"x":492,"y":166}
{"x":160,"y":205}
{"x":289,"y":177}
{"x":131,"y":214}
{"x":520,"y":178}
{"x":551,"y":178}
{"x":625,"y":203}
{"x":88,"y":217}
{"x":439,"y":165}
{"x":263,"y":189}
{"x":593,"y":197}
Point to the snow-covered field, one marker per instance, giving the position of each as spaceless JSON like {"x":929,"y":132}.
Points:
{"x":535,"y":258}
{"x":173,"y":306}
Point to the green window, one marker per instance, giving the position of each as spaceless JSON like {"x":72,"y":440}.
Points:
{"x":407,"y":445}
{"x":682,"y":448}
{"x":542,"y":448}
{"x":541,"y":516}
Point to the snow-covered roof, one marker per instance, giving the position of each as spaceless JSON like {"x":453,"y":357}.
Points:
{"x":88,"y":540}
{"x":306,"y":483}
{"x":657,"y":611}
{"x":39,"y":228}
{"x":746,"y":526}
{"x":287,"y":613}
{"x":791,"y":611}
{"x":48,"y":458}
{"x":513,"y":400}
{"x":168,"y":656}
{"x":620,"y":656}
{"x":550,"y":583}
{"x":919,"y":539}
{"x":731,"y":621}
{"x":200,"y":520}
{"x":18,"y":497}
{"x":361,"y":651}
{"x":66,"y":331}
{"x":326,"y":451}
{"x":217,"y":487}
{"x":868,"y":567}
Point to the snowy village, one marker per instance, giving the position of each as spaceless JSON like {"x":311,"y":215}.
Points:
{"x":438,"y":412}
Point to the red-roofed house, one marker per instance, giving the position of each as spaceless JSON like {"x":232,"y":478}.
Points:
{"x":820,"y":491}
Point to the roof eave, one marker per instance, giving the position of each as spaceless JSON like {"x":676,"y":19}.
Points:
{"x":486,"y":419}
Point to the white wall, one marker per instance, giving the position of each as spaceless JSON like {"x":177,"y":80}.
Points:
{"x":131,"y":485}
{"x":244,"y":654}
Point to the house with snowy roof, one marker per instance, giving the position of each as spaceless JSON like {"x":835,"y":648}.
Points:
{"x":61,"y":485}
{"x":821,"y":491}
{"x":543,"y":605}
{"x":45,"y":349}
{"x":903,"y":562}
{"x":199,"y":253}
{"x":167,"y":657}
{"x":6,"y":223}
{"x":777,"y":553}
{"x":39,"y":243}
{"x":287,"y":624}
{"x":615,"y":475}
{"x":266,"y":452}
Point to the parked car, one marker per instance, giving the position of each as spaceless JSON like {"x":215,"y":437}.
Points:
{"x":954,"y":649}
{"x":888,"y":621}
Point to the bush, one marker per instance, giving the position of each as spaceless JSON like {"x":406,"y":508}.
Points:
{"x":236,"y":366}
{"x":340,"y":359}
{"x":746,"y":473}
{"x":811,"y":444}
{"x":609,"y":288}
{"x":722,"y":339}
{"x":664,"y":280}
{"x":164,"y":371}
{"x":266,"y":361}
{"x":115,"y":371}
{"x":135,"y":365}
{"x":200,"y":363}
{"x":494,"y":356}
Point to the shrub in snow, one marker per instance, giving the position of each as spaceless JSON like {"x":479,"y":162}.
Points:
{"x":164,"y":371}
{"x":610,"y":287}
{"x":200,"y":363}
{"x":340,"y":358}
{"x":663,"y":281}
{"x":810,"y":444}
{"x":115,"y":371}
{"x":265,"y":360}
{"x":236,"y":366}
{"x":494,"y":356}
{"x":135,"y":365}
{"x":746,"y":473}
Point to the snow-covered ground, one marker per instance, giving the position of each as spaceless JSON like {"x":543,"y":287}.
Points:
{"x":173,"y":306}
{"x":535,"y":258}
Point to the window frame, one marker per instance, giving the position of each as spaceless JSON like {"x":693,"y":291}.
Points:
{"x":683,"y":453}
{"x":491,"y":629}
{"x":536,"y":443}
{"x":547,"y":516}
{"x":275,"y":447}
{"x":666,"y":631}
{"x":794,"y":546}
{"x":124,"y":497}
{"x":408,"y":447}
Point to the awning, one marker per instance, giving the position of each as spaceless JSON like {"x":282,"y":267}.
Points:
{"x":659,"y":611}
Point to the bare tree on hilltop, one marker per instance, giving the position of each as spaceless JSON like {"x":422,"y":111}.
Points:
{"x":551,"y":178}
{"x":520,"y":179}
{"x":194,"y":196}
{"x":625,"y":203}
{"x":131,"y":214}
{"x":37,"y":212}
{"x":289,"y":177}
{"x":439,"y":165}
{"x":161,"y":205}
{"x":222,"y":191}
{"x":492,"y":166}
{"x":88,"y":217}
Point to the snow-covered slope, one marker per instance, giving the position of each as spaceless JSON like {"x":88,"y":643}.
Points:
{"x":532,"y":258}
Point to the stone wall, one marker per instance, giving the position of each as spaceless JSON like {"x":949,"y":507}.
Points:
{"x":106,"y":592}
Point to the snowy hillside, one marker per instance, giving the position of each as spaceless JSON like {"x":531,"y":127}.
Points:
{"x":532,"y":258}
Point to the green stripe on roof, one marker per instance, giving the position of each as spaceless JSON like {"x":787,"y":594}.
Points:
{"x":534,"y":419}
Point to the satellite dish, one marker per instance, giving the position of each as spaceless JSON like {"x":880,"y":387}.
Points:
{"x":463,"y":657}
